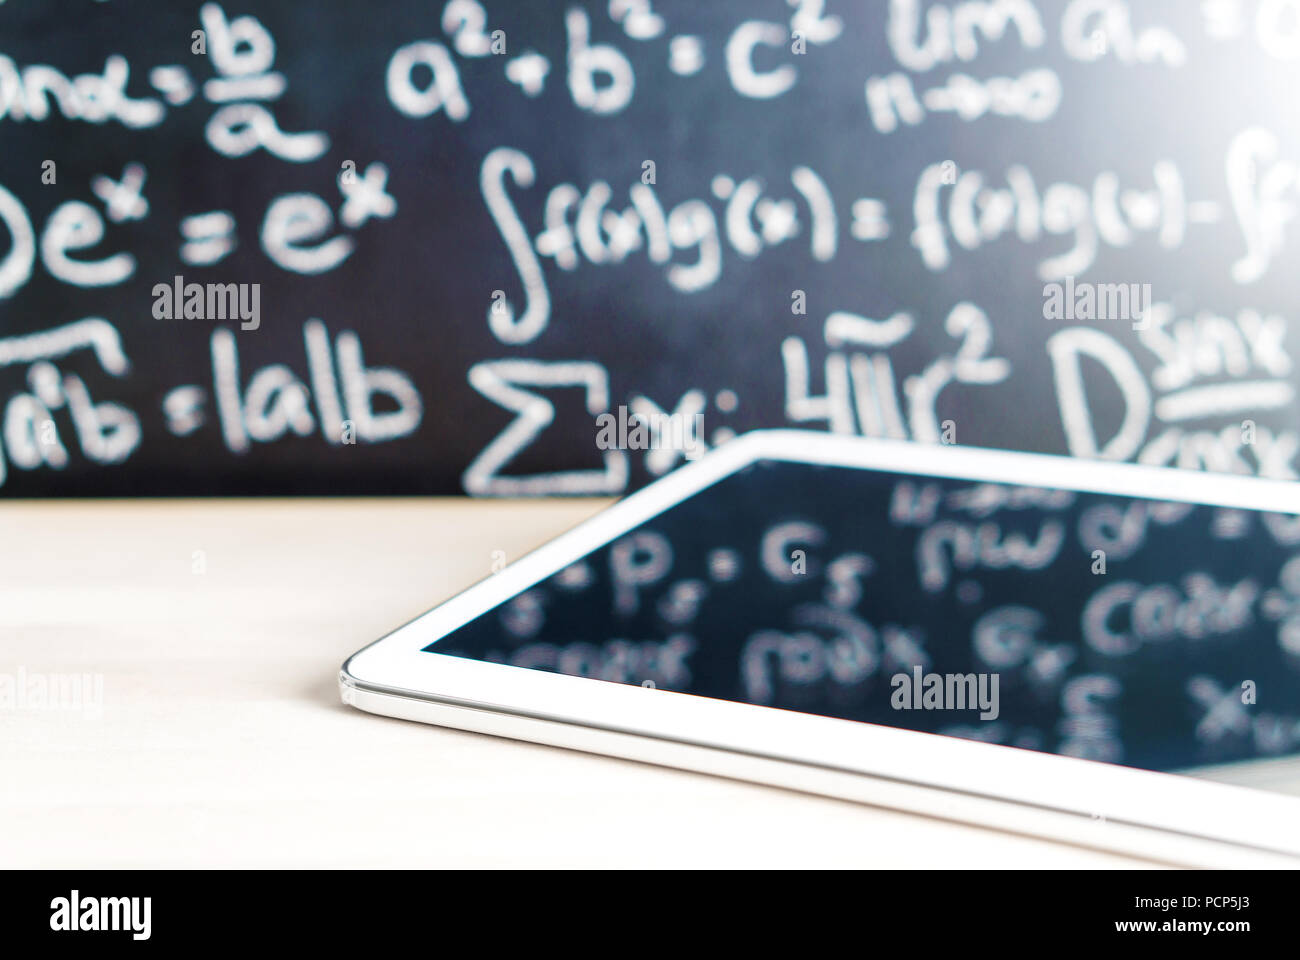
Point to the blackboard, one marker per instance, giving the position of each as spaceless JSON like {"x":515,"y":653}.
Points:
{"x":272,"y":248}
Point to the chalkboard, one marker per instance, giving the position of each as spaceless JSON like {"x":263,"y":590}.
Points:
{"x":512,"y":248}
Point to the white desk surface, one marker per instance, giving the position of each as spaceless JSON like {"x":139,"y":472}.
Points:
{"x":222,"y":741}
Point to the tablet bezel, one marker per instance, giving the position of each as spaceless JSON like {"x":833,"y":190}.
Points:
{"x":397,"y":677}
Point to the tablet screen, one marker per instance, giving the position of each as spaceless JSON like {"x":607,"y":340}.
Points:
{"x":1158,"y":635}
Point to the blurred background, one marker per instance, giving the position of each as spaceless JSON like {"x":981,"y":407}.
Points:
{"x":397,"y":247}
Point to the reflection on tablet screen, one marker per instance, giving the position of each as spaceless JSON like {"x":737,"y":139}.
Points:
{"x":1157,"y":635}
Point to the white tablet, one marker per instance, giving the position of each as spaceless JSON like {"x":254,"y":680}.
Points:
{"x":1103,"y":654}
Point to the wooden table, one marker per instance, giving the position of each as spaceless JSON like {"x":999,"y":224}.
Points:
{"x":218,"y":627}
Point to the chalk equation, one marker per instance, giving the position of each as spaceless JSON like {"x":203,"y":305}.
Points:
{"x":455,"y":238}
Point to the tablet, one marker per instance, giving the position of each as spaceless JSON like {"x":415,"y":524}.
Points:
{"x":1104,"y":654}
